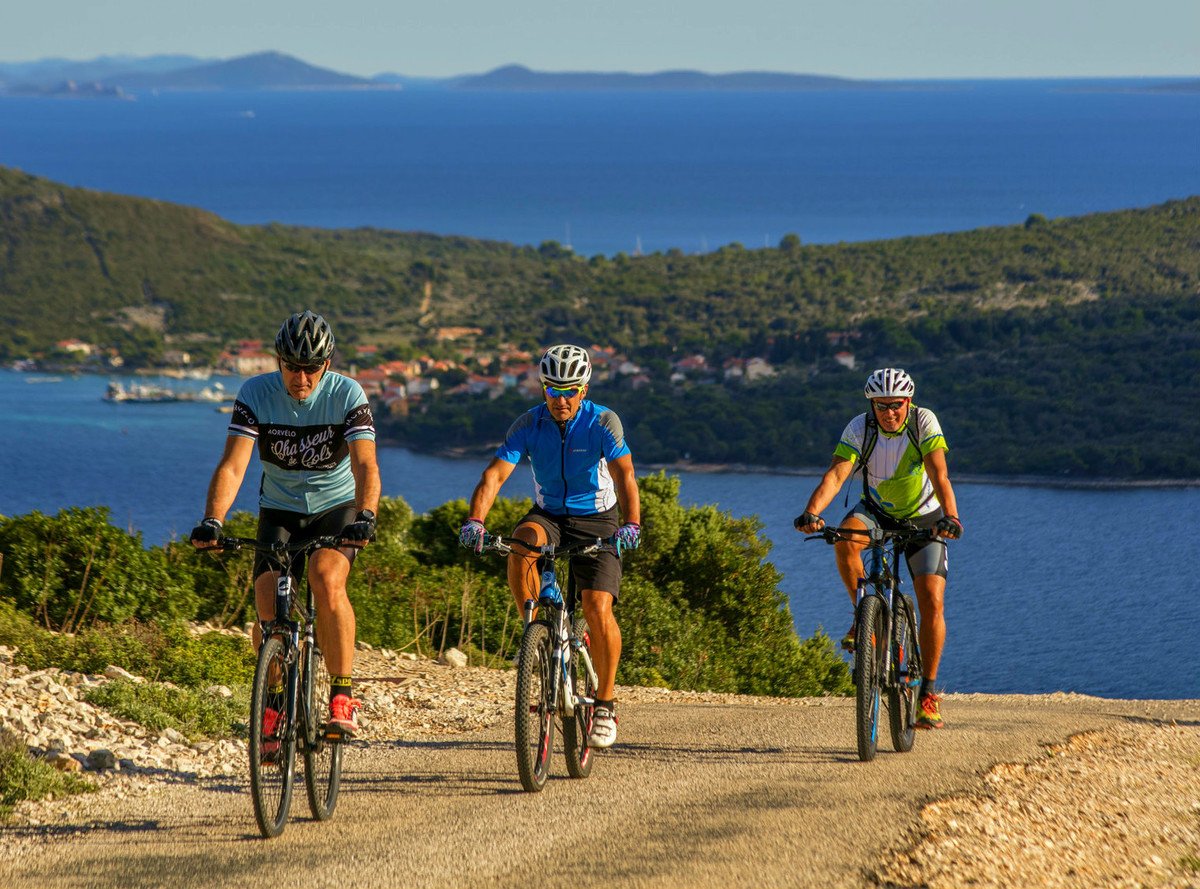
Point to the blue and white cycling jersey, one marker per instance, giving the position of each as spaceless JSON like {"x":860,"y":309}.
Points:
{"x":303,"y":445}
{"x":570,"y":465}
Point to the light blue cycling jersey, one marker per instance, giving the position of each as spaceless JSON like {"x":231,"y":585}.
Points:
{"x":570,"y":464}
{"x":303,"y":445}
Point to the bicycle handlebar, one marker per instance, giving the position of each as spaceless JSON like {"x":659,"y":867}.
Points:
{"x":504,"y":546}
{"x":279,"y":547}
{"x":876,"y":535}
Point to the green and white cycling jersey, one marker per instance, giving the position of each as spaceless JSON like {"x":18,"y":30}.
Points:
{"x":304,"y":446}
{"x":896,"y":474}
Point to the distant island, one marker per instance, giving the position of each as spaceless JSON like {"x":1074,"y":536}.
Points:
{"x":125,"y":77}
{"x":518,"y":77}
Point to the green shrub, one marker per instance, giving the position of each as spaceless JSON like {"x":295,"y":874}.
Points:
{"x":169,"y":652}
{"x":74,"y":569}
{"x":22,"y":777}
{"x":195,"y":714}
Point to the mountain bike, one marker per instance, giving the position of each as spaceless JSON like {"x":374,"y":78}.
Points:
{"x":289,"y":698}
{"x":555,"y":675}
{"x":887,"y":658}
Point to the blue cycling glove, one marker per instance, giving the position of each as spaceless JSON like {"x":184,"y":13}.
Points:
{"x":628,"y":536}
{"x":472,"y":534}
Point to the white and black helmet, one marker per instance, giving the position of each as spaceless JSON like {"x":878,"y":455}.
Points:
{"x":305,"y":338}
{"x":565,"y":365}
{"x":889,"y":382}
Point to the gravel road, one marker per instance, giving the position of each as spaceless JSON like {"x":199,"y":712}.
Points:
{"x":701,"y":790}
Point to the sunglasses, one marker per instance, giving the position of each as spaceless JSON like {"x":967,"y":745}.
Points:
{"x":309,"y":369}
{"x":563,"y":391}
{"x":888,"y":406}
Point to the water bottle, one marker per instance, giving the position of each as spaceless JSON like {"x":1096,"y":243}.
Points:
{"x":550,"y":590}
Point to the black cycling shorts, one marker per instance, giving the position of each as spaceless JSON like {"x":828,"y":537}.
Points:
{"x":284,"y":526}
{"x":597,"y":571}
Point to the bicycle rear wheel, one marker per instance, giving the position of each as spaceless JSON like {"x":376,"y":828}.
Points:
{"x":868,"y":656}
{"x":272,"y":740}
{"x":322,"y":758}
{"x":906,"y":670}
{"x":534,"y":715}
{"x":578,"y":726}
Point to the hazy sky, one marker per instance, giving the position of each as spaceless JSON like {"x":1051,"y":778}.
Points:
{"x":853,"y":38}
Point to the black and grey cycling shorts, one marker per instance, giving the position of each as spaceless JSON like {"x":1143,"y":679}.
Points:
{"x":598,"y":571}
{"x":923,"y":557}
{"x":284,"y":526}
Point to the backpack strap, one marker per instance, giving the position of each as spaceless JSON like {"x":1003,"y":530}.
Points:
{"x":913,"y":429}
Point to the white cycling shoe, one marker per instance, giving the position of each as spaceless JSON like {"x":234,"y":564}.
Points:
{"x":604,"y":728}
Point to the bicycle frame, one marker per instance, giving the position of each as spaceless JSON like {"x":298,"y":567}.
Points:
{"x":560,"y":616}
{"x":292,"y":620}
{"x":887,"y":656}
{"x":882,"y":578}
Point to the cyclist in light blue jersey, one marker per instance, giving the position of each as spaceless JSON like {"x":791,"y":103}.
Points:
{"x":584,"y":487}
{"x":316,"y":441}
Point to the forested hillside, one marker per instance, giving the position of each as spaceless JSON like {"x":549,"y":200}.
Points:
{"x":1059,"y":346}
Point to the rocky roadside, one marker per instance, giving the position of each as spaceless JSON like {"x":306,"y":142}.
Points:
{"x":1115,"y":809}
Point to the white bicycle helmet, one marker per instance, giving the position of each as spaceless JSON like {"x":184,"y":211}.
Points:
{"x":565,"y":365}
{"x":889,"y":382}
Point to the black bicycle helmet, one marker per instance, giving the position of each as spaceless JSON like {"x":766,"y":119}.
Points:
{"x":305,"y":338}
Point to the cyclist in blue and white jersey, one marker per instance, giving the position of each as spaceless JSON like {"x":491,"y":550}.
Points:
{"x":584,"y":487}
{"x":901,"y":453}
{"x":316,"y":441}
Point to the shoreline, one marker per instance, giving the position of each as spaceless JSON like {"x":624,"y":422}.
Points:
{"x":969,"y":478}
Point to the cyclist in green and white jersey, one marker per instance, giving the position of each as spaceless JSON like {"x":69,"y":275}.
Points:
{"x":900,"y":452}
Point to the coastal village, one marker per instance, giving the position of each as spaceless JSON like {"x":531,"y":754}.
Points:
{"x":397,"y":386}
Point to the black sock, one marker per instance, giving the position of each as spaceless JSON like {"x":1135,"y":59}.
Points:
{"x":608,"y":705}
{"x":928,"y":687}
{"x":340,"y":685}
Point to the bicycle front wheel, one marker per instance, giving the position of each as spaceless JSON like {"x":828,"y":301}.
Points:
{"x":578,"y":726}
{"x":322,"y":758}
{"x":869,"y":647}
{"x":272,"y":739}
{"x":906,"y":666}
{"x":534,"y":714}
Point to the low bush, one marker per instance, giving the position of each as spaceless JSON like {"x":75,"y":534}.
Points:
{"x":158,"y":706}
{"x":24,"y":778}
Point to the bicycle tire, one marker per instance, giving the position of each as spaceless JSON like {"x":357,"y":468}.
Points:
{"x":533,"y":711}
{"x":272,"y":757}
{"x":906,"y":676}
{"x":322,"y":757}
{"x":578,"y":725}
{"x":868,"y":650}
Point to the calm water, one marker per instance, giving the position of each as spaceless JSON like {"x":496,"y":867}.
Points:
{"x":606,"y":172}
{"x":1042,"y":596}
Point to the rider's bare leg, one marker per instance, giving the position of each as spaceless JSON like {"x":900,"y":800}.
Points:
{"x":931,"y":589}
{"x":606,"y":640}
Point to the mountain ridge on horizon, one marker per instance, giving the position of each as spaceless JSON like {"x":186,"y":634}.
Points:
{"x":122,"y":74}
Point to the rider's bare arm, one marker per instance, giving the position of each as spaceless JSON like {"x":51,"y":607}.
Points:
{"x":939,"y":477}
{"x":365,"y":468}
{"x":495,"y":474}
{"x":227,"y":479}
{"x":831,"y":482}
{"x":625,"y":482}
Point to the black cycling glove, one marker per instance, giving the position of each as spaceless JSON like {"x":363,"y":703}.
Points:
{"x":362,"y":528}
{"x":805,"y":518}
{"x":208,"y":531}
{"x":950,"y":526}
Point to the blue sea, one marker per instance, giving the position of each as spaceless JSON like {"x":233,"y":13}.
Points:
{"x":1050,"y":590}
{"x":1084,"y":591}
{"x":611,"y":172}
